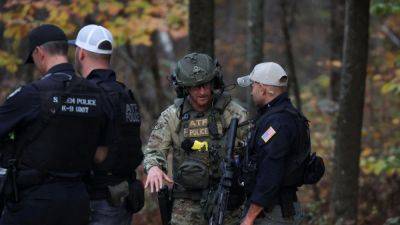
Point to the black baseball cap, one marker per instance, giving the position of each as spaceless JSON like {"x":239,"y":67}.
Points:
{"x":41,"y":35}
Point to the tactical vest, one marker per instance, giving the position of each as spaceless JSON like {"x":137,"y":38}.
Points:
{"x":125,"y":153}
{"x":70,"y":123}
{"x":194,"y":170}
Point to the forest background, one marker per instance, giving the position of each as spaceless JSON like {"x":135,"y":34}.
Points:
{"x":307,"y":37}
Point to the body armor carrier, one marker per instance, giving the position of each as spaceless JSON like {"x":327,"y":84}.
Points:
{"x":197,"y":161}
{"x":125,"y":152}
{"x":70,"y":122}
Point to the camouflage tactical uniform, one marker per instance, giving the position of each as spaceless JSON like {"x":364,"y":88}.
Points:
{"x":167,"y":135}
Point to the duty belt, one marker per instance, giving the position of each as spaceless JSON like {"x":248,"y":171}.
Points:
{"x":32,"y":177}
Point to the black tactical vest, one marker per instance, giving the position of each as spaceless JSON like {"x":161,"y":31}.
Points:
{"x":125,"y":153}
{"x":70,"y":121}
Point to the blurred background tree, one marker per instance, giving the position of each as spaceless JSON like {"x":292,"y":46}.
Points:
{"x":305,"y":36}
{"x":352,"y":94}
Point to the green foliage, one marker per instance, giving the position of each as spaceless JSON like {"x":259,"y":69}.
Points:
{"x":380,"y":158}
{"x":385,"y":7}
{"x":393,"y":85}
{"x":315,"y":214}
{"x":323,"y":80}
{"x":387,"y":164}
{"x":8,"y":61}
{"x":130,"y":22}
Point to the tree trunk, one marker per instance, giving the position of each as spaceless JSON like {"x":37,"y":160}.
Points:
{"x":255,"y":41}
{"x":167,"y":45}
{"x":349,"y":123}
{"x":201,"y":26}
{"x":256,"y":32}
{"x":154,"y":67}
{"x":336,"y":41}
{"x":293,"y":82}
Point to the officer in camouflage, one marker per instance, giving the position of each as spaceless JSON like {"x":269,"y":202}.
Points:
{"x":193,"y":128}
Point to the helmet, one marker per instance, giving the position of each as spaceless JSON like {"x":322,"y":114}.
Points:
{"x":195,"y":69}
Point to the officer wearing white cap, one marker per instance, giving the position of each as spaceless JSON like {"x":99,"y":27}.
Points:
{"x":114,"y":190}
{"x":280,"y":137}
{"x":57,"y":123}
{"x":268,"y":73}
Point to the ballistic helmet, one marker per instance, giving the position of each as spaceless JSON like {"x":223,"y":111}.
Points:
{"x":196,"y":69}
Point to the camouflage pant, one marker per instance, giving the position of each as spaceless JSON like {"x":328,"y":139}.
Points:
{"x":188,"y":212}
{"x":275,"y":217}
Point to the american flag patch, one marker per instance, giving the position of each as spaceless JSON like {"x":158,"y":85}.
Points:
{"x":268,"y":134}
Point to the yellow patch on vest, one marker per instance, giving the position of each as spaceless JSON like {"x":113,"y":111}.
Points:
{"x":200,"y":145}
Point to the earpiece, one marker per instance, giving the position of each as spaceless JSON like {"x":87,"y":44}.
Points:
{"x":180,"y":91}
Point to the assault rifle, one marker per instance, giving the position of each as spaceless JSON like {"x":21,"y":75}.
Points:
{"x":222,"y":194}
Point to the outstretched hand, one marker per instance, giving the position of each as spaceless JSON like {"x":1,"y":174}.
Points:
{"x":155,"y":179}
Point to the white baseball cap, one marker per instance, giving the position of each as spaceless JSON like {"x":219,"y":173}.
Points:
{"x":95,"y":39}
{"x":268,"y":73}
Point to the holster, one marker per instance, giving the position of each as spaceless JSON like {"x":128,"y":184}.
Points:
{"x":30,"y":177}
{"x":135,"y":199}
{"x":286,"y":199}
{"x":165,"y":203}
{"x":118,"y":193}
{"x":10,"y":191}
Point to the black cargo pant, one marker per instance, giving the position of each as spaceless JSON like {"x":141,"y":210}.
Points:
{"x":56,"y":203}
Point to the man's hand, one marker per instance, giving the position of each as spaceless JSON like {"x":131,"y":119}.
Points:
{"x":155,"y":179}
{"x":252,"y":214}
{"x":101,"y":154}
{"x":247,"y":222}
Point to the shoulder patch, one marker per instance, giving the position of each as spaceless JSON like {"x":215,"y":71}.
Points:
{"x":268,"y":134}
{"x":14,"y":92}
